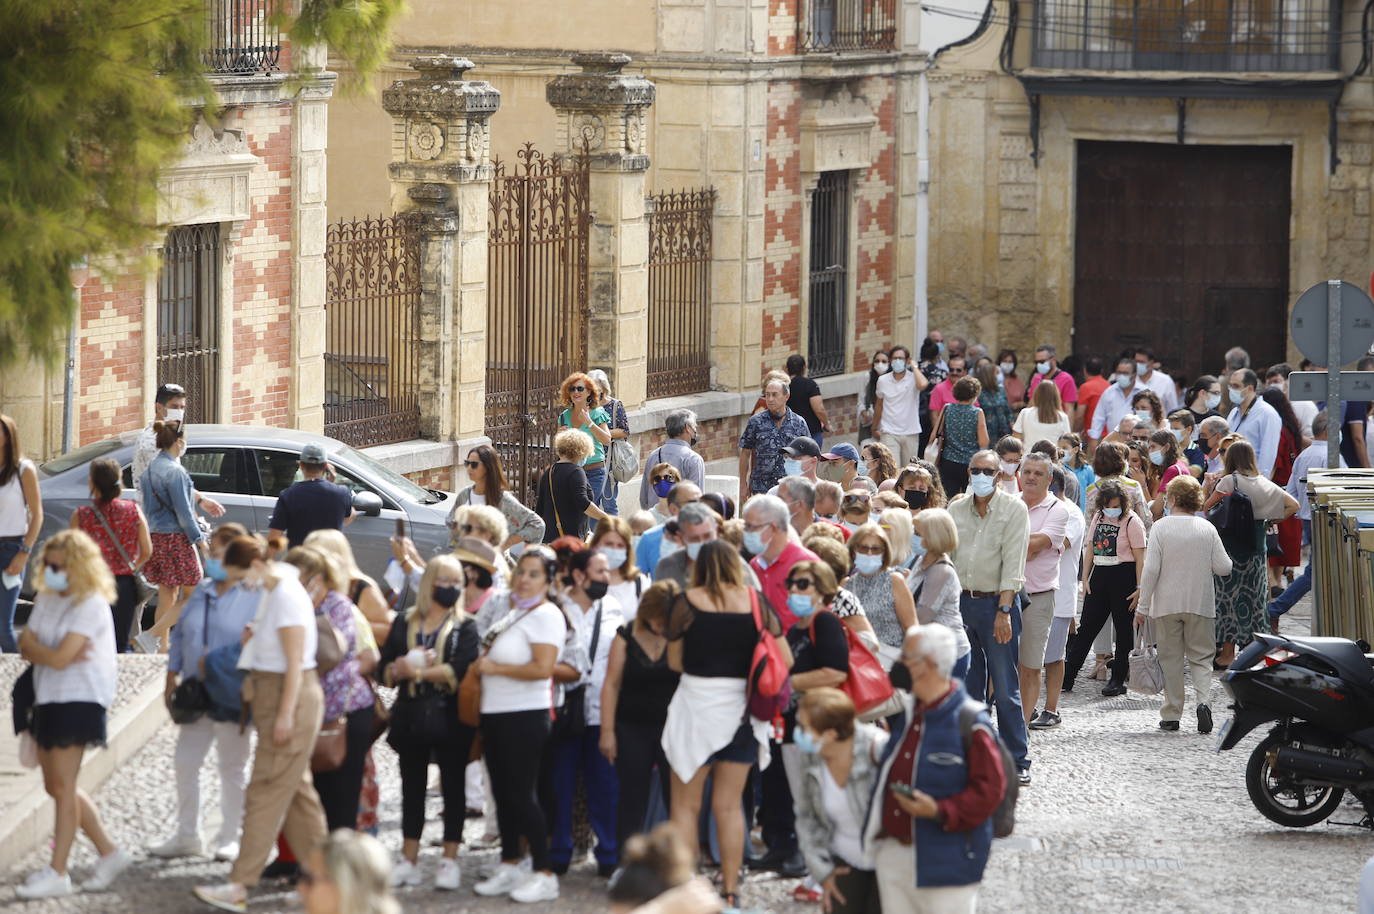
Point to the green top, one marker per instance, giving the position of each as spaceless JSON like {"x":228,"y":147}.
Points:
{"x":599,"y":417}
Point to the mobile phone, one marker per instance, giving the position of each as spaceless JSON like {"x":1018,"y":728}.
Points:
{"x":400,"y":527}
{"x":902,"y":790}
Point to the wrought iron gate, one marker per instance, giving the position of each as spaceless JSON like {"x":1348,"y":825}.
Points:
{"x":372,"y":325}
{"x":827,"y":318}
{"x":680,"y":292}
{"x":537,"y":302}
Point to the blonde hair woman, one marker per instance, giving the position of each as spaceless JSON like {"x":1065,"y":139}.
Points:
{"x":69,"y":640}
{"x":347,"y":874}
{"x":565,"y":499}
{"x":362,"y":590}
{"x":933,"y":581}
{"x":425,"y":656}
{"x":896,"y":524}
{"x":879,"y":584}
{"x":628,"y":582}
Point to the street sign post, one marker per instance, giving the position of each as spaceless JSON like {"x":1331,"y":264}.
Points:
{"x":1333,"y":325}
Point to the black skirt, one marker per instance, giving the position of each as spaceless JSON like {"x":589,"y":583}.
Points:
{"x":69,"y":723}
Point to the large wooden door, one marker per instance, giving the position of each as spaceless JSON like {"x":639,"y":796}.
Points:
{"x":1183,"y":249}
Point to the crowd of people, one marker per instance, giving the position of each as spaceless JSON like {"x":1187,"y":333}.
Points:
{"x":805,"y":659}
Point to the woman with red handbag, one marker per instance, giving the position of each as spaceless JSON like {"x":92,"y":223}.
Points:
{"x":713,"y":631}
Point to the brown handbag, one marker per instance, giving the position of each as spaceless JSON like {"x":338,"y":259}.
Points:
{"x":331,"y":746}
{"x":470,"y":697}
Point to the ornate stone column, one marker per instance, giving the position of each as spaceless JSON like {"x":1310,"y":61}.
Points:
{"x":441,"y":170}
{"x":601,"y":114}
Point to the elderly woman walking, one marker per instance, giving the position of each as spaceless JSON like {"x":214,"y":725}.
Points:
{"x":1176,"y":593}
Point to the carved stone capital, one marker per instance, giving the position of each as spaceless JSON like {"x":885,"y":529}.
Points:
{"x":440,"y":91}
{"x":601,"y":110}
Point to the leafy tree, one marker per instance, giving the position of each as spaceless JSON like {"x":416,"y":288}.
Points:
{"x":96,"y":97}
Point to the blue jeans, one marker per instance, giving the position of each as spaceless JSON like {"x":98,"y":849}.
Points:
{"x":960,"y":670}
{"x":1301,"y":584}
{"x":597,"y":480}
{"x":8,"y":598}
{"x":582,"y":756}
{"x":988,"y":659}
{"x":612,"y":495}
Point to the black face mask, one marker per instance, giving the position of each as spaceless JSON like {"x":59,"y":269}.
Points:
{"x":900,"y":677}
{"x":596,"y":589}
{"x":916,"y":500}
{"x":693,"y":442}
{"x":447,"y":597}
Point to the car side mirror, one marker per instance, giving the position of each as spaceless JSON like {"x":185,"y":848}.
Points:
{"x":368,"y":504}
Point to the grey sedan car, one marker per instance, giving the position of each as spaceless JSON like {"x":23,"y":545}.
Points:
{"x":245,"y":468}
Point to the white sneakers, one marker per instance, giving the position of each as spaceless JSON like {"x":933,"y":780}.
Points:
{"x":45,"y":884}
{"x":107,"y":869}
{"x":179,"y":846}
{"x":537,"y":887}
{"x":507,"y":878}
{"x":449,"y":876}
{"x":227,"y":851}
{"x":404,"y":874}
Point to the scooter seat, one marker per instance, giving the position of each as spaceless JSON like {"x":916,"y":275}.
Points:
{"x":1345,"y":655}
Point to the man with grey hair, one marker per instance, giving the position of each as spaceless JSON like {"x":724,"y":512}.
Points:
{"x":697,"y":524}
{"x":768,"y":537}
{"x":1236,"y":359}
{"x":1049,"y":523}
{"x":655,"y":544}
{"x":975,"y":352}
{"x":930,"y":853}
{"x":681,"y":427}
{"x":765,"y":435}
{"x":1047,"y":369}
{"x":1209,"y":435}
{"x":799,"y":494}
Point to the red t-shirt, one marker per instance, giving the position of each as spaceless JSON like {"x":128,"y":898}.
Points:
{"x":1088,"y":395}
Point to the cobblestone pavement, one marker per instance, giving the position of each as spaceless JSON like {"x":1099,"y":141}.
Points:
{"x":1120,"y":815}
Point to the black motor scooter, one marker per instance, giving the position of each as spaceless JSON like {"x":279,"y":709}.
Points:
{"x":1321,"y":693}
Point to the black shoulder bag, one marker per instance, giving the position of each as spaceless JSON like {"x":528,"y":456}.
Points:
{"x":571,"y":721}
{"x":190,"y":700}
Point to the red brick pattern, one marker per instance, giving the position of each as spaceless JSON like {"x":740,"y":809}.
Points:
{"x":441,"y":478}
{"x":111,"y":340}
{"x":784,"y":264}
{"x":875,"y":200}
{"x":782,"y":27}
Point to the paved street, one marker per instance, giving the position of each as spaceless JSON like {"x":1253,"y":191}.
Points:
{"x":1119,"y":812}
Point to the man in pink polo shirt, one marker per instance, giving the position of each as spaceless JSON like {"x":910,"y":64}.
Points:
{"x":943,"y":393}
{"x":1047,"y":369}
{"x":767,"y":523}
{"x":1049,"y":521}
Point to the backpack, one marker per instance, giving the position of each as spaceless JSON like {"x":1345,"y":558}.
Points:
{"x":1004,"y":816}
{"x":1234,"y":518}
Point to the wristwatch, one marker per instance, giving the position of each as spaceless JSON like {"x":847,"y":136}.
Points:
{"x":25,"y":547}
{"x":1004,"y":609}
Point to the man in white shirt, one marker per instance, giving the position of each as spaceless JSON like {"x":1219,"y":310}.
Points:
{"x":1115,"y":402}
{"x":1158,"y":381}
{"x":1255,"y":420}
{"x":1209,"y":435}
{"x":1065,"y":604}
{"x":897,"y":414}
{"x":1313,"y":456}
{"x":169,"y":405}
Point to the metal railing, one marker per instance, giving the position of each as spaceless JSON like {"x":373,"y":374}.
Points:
{"x":827,"y":312}
{"x":372,"y":328}
{"x":188,"y":311}
{"x":846,"y":25}
{"x":1229,"y":36}
{"x":680,"y":291}
{"x":242,"y":37}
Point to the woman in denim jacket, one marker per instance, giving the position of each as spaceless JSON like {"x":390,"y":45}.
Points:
{"x":178,"y":541}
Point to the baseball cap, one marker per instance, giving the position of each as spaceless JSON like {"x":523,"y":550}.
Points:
{"x":843,"y":451}
{"x":802,"y":447}
{"x":313,"y":454}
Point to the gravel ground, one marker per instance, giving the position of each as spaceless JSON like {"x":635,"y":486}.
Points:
{"x":1119,"y":813}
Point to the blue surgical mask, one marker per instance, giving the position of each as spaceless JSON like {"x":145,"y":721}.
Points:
{"x":668,"y":548}
{"x":791,"y":467}
{"x":861,"y":469}
{"x":1179,"y":434}
{"x":614,"y":557}
{"x":1237,"y":396}
{"x":898,"y":366}
{"x":848,"y":526}
{"x":214,"y":569}
{"x":804,"y":741}
{"x":800,"y":605}
{"x":55,"y":580}
{"x":941,"y":345}
{"x":753,"y":542}
{"x":1144,"y":415}
{"x":1142,"y":367}
{"x":981,"y":485}
{"x":867,"y":564}
{"x":1113,"y":513}
{"x":662,"y":486}
{"x":1124,"y":381}
{"x":918,"y":548}
{"x":875,"y":518}
{"x":1213,"y":401}
{"x":1157,"y":458}
{"x":694,"y":550}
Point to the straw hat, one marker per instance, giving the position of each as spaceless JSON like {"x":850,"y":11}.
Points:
{"x":477,"y":552}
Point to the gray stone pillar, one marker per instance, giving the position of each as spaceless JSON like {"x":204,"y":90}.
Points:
{"x":601,"y":114}
{"x":441,"y":169}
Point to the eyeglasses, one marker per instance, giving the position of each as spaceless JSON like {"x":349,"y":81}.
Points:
{"x":982,"y":471}
{"x":957,"y":371}
{"x":856,"y":499}
{"x":577,"y":389}
{"x":466,"y":528}
{"x":473,"y":464}
{"x":799,"y":583}
{"x":657,"y":479}
{"x":869,"y":549}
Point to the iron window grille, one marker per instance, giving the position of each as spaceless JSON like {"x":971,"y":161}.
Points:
{"x":242,"y":37}
{"x":680,"y":292}
{"x":827,"y":312}
{"x":188,"y":310}
{"x":846,"y":25}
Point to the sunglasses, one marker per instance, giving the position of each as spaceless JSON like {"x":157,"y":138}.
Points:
{"x":473,"y":464}
{"x":577,"y":389}
{"x":466,"y":528}
{"x":982,"y":471}
{"x":657,"y":479}
{"x":799,"y":583}
{"x":855,"y":500}
{"x":957,"y":371}
{"x":870,"y":549}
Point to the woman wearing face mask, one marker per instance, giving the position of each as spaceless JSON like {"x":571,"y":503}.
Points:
{"x":1148,"y":408}
{"x":919,"y":489}
{"x":1112,"y":563}
{"x":213,"y":617}
{"x":178,"y":543}
{"x":577,"y":757}
{"x":869,"y":395}
{"x":1203,"y":398}
{"x":993,"y":399}
{"x":855,"y":507}
{"x":962,"y":430}
{"x":425,"y":656}
{"x":628,"y":582}
{"x":879,"y":464}
{"x":1014,"y":386}
{"x":839,"y":766}
{"x":933,"y":581}
{"x":118,"y":528}
{"x":663,"y":477}
{"x":896,"y":525}
{"x":820,"y":647}
{"x":880,"y":587}
{"x":1077,"y":463}
{"x":287,"y":704}
{"x":69,"y":639}
{"x":1166,"y":465}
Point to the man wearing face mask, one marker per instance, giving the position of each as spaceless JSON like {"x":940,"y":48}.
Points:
{"x":1115,"y":402}
{"x":697,"y":525}
{"x":768,"y":538}
{"x":994,"y":534}
{"x":799,"y":494}
{"x":169,"y":405}
{"x":765,"y":435}
{"x":1305,"y":410}
{"x":653,"y":546}
{"x":843,"y":465}
{"x":1210,"y":433}
{"x":1047,"y":369}
{"x":897,"y":414}
{"x":799,"y":458}
{"x":1254,"y":419}
{"x":1163,"y":385}
{"x":680,"y":425}
{"x":1049,"y":522}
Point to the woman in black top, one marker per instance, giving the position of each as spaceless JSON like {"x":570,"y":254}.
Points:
{"x":564,"y":497}
{"x":804,"y":398}
{"x":820,"y":647}
{"x":634,"y":703}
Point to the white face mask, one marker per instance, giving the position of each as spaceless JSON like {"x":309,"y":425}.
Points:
{"x":1008,"y":367}
{"x":176,"y":415}
{"x":1009,"y":467}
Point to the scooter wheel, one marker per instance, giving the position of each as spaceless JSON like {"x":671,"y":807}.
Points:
{"x":1281,"y":798}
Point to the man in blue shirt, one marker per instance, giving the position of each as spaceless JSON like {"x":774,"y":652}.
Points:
{"x":765,"y":435}
{"x":1255,"y":420}
{"x":312,"y":504}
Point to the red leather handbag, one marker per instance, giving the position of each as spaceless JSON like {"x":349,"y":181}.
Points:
{"x":770,"y":685}
{"x":867,"y":685}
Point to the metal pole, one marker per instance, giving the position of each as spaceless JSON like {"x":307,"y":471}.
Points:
{"x":1333,"y":372}
{"x":68,"y":383}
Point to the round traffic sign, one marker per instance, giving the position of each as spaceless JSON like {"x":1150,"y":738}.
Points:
{"x":1308,"y":322}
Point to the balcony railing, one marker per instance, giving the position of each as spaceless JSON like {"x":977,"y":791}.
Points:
{"x":846,"y":25}
{"x":242,"y":37}
{"x":1210,"y":36}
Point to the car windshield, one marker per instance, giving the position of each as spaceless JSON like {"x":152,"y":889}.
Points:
{"x":410,"y":489}
{"x":79,"y":456}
